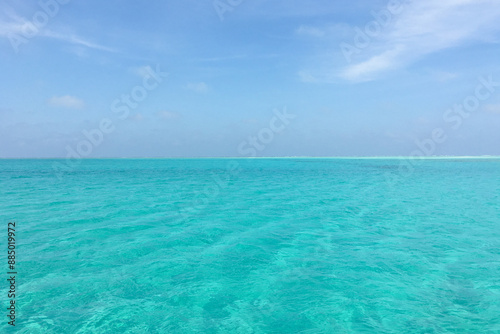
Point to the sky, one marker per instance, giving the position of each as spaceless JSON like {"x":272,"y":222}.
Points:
{"x":241,"y":78}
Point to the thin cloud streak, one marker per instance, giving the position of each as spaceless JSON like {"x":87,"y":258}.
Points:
{"x":66,"y":101}
{"x":197,"y":87}
{"x":74,"y":39}
{"x":18,"y":26}
{"x":423,"y":28}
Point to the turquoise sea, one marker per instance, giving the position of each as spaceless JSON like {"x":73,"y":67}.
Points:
{"x":253,"y":245}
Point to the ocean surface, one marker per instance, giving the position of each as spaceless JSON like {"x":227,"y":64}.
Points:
{"x":253,"y":245}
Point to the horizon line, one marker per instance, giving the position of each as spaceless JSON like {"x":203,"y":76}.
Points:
{"x":268,"y":157}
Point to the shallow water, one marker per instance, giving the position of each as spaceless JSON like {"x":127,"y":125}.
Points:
{"x":254,"y":245}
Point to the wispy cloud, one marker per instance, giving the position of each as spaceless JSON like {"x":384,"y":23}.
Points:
{"x":328,"y":31}
{"x":167,"y":115}
{"x":138,"y":117}
{"x":492,"y":108}
{"x":445,"y":76}
{"x":310,"y":31}
{"x":74,"y":39}
{"x":426,"y":27}
{"x":366,"y":70}
{"x":221,"y":58}
{"x":19,"y":27}
{"x":197,"y":87}
{"x":66,"y":101}
{"x":142,"y":71}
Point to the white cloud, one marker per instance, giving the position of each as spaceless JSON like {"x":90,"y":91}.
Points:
{"x":74,"y":39}
{"x":66,"y":102}
{"x":323,"y":31}
{"x":310,"y":31}
{"x":445,"y":76}
{"x":167,"y":115}
{"x":142,"y":71}
{"x":198,"y":87}
{"x":365,"y":70}
{"x":425,"y":27}
{"x":20,"y":28}
{"x":492,"y":108}
{"x":7,"y":28}
{"x":306,"y":76}
{"x":138,"y":117}
{"x":222,"y":58}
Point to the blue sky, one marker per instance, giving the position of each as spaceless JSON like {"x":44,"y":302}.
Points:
{"x":359,"y":77}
